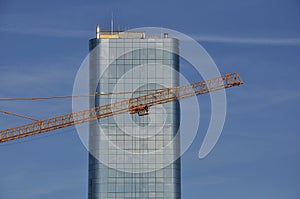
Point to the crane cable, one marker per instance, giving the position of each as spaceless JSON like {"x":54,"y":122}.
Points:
{"x":60,"y":97}
{"x":73,"y":96}
{"x":17,"y":115}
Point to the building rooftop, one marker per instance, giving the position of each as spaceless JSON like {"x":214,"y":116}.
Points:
{"x":111,"y":34}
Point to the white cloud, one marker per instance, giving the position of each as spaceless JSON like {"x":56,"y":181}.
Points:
{"x":55,"y":32}
{"x":248,"y":40}
{"x":52,"y":32}
{"x":260,"y":99}
{"x":57,"y":181}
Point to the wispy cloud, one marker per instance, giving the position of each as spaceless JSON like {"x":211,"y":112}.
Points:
{"x":210,"y":180}
{"x":53,"y":79}
{"x":260,"y":99}
{"x":55,"y":32}
{"x":248,"y":40}
{"x":52,"y":32}
{"x":57,"y":181}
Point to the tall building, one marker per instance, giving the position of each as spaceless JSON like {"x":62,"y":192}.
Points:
{"x":131,"y":155}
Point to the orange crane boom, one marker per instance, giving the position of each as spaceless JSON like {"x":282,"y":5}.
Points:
{"x":139,"y":105}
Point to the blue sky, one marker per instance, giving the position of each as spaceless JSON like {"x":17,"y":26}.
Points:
{"x":44,"y":42}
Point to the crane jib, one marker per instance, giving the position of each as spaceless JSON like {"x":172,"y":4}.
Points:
{"x":139,"y":105}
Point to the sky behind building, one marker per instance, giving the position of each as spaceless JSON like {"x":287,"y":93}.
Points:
{"x":44,"y":42}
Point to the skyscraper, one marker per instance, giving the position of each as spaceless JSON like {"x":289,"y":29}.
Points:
{"x":131,"y":156}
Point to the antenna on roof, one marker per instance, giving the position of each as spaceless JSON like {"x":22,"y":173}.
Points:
{"x":112,"y":23}
{"x":98,"y":32}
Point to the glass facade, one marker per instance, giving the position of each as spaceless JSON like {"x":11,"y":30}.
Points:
{"x":127,"y":160}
